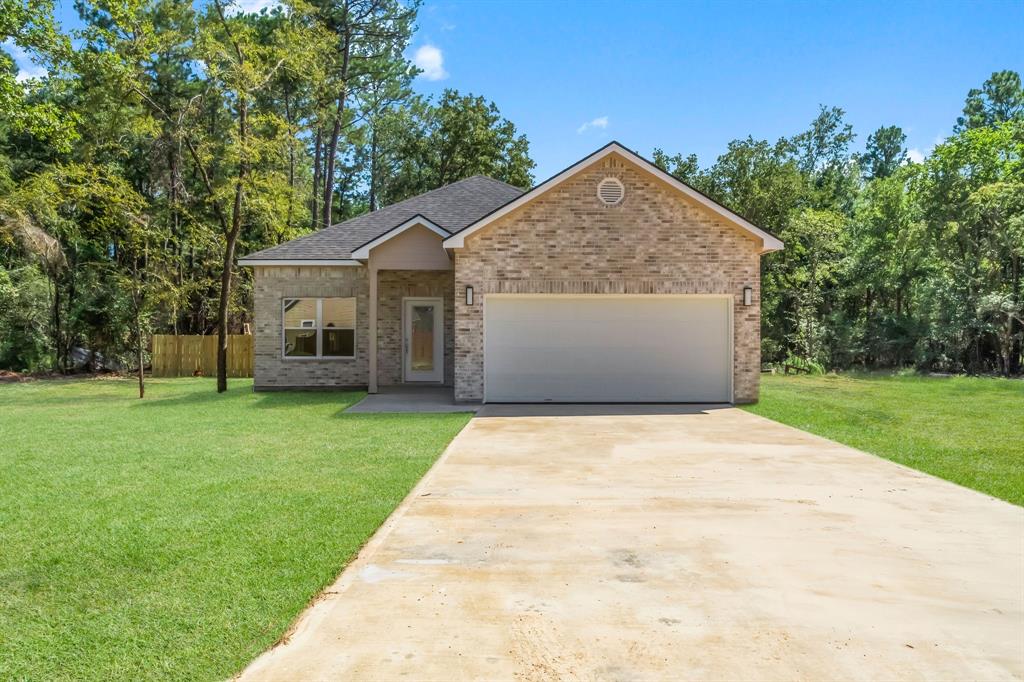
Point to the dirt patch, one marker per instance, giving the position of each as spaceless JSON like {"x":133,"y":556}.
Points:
{"x":9,"y":377}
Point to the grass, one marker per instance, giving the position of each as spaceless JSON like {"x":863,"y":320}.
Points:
{"x":966,"y":430}
{"x":178,"y":536}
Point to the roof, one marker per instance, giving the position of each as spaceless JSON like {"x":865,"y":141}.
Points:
{"x":451,"y":208}
{"x":769,"y":241}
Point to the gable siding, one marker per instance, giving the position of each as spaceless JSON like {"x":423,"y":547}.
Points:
{"x":566,"y":241}
{"x":415,"y":249}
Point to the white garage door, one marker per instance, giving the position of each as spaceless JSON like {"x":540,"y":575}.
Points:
{"x":601,"y":348}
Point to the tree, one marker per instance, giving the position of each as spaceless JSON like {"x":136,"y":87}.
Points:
{"x":24,"y":107}
{"x":822,"y":154}
{"x":231,"y":142}
{"x":460,"y":136}
{"x":1000,"y":99}
{"x":969,"y":200}
{"x":686,"y":169}
{"x":369,"y":38}
{"x":885,"y":152}
{"x":816,"y":240}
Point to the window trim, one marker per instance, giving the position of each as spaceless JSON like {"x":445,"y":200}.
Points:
{"x":319,"y":329}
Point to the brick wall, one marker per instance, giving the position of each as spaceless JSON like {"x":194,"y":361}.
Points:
{"x":274,"y":283}
{"x":566,"y":241}
{"x":392,"y":287}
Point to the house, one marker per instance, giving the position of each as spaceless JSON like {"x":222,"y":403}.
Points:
{"x":610,"y":282}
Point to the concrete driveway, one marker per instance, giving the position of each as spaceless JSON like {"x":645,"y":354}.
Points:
{"x":591,"y":543}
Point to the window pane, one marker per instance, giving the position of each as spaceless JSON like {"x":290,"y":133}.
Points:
{"x":422,"y":338}
{"x":340,"y":313}
{"x":339,"y":342}
{"x":300,"y":312}
{"x":300,"y":343}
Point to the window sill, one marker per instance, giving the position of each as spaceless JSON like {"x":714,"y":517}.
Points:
{"x":291,"y":358}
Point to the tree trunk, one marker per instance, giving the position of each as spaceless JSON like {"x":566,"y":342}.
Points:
{"x":1015,"y":324}
{"x":314,"y":209}
{"x":373,"y":166}
{"x":332,"y":146}
{"x":291,"y":162}
{"x":229,"y":252}
{"x":58,"y":342}
{"x":139,"y":350}
{"x":331,"y":154}
{"x":869,"y":358}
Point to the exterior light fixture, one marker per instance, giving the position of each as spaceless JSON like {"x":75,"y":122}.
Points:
{"x":469,"y":295}
{"x":748,"y":296}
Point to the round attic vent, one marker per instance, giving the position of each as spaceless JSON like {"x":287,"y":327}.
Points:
{"x":610,"y":191}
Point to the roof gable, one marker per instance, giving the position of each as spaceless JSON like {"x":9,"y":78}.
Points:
{"x":769,"y":241}
{"x":363,"y":251}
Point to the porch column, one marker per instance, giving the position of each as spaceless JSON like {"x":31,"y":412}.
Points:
{"x":372,"y":387}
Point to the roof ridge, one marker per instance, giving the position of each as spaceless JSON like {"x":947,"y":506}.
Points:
{"x":417,"y":196}
{"x":500,"y":182}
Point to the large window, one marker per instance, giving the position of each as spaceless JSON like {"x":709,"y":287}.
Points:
{"x":319,"y":327}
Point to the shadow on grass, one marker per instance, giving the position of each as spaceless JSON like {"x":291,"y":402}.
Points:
{"x":243,"y":397}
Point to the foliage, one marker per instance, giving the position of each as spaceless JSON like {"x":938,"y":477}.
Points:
{"x":1000,"y":99}
{"x":460,"y":136}
{"x":23,"y":322}
{"x":30,"y":108}
{"x":166,"y":138}
{"x":962,"y":429}
{"x":885,"y":152}
{"x":798,"y":364}
{"x":887,"y":263}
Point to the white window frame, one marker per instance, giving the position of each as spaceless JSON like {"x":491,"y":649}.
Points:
{"x":318,"y":325}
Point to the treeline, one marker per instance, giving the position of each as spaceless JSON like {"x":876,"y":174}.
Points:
{"x":167,"y":138}
{"x":890,"y":262}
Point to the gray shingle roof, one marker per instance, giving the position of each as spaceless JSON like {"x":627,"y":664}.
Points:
{"x":451,"y":207}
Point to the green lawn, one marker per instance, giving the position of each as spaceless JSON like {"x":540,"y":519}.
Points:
{"x":966,"y":430}
{"x":178,"y":536}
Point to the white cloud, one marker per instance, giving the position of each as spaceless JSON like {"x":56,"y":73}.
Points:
{"x":30,"y":71}
{"x":27,"y":69}
{"x":430,"y":61}
{"x":600,"y":122}
{"x":915,"y":155}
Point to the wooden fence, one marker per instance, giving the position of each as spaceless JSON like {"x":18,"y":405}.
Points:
{"x":185,"y":356}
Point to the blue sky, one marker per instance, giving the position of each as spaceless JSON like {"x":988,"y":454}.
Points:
{"x":690,"y":77}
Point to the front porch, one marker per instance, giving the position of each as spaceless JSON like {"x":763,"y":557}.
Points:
{"x":411,"y":321}
{"x":411,"y":398}
{"x":412,"y":327}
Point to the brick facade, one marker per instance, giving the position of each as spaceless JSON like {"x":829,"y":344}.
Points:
{"x":566,"y":241}
{"x":271,"y":285}
{"x":392,"y":287}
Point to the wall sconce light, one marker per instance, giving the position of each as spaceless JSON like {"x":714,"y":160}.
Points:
{"x":748,"y":295}
{"x":469,"y":295}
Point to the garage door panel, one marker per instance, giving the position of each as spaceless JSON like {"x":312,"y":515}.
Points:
{"x":607,"y":348}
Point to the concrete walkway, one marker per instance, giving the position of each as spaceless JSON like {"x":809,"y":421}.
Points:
{"x":412,"y":399}
{"x":592,"y":543}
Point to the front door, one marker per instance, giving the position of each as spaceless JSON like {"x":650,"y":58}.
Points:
{"x":423,"y":339}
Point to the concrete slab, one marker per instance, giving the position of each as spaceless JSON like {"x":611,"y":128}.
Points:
{"x":412,"y":399}
{"x":708,"y":544}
